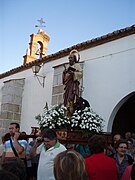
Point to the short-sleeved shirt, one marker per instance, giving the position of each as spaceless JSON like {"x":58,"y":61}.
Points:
{"x":46,"y":160}
{"x":8,"y":149}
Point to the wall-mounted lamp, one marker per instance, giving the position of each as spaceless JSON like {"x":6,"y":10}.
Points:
{"x":36,"y":69}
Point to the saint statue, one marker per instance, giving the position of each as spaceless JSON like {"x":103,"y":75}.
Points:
{"x":71,"y":77}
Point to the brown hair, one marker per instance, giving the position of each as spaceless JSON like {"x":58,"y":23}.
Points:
{"x":16,"y":166}
{"x":49,"y":133}
{"x":96,"y":144}
{"x":121,"y":141}
{"x":69,"y":165}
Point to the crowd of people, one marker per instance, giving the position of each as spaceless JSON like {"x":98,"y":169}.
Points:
{"x":45,"y":158}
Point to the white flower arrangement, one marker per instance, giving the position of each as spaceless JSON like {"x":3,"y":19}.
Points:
{"x":55,"y":118}
{"x":86,"y":119}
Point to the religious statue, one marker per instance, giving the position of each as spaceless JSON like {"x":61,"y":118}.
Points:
{"x":71,"y":77}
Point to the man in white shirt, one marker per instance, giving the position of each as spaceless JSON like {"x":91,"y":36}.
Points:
{"x":49,"y":148}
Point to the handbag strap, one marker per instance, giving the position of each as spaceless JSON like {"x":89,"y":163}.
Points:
{"x":13,"y":148}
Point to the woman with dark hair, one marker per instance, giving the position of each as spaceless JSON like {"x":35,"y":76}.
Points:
{"x":15,"y":166}
{"x":122,"y":159}
{"x":69,"y":165}
{"x":99,"y":166}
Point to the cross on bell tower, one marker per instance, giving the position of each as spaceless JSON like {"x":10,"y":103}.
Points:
{"x":41,"y":21}
{"x":38,"y":44}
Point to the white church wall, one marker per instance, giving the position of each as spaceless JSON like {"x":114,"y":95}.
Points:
{"x":109,"y":75}
{"x":35,"y":96}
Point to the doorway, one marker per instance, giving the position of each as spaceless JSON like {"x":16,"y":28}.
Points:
{"x":125,"y":117}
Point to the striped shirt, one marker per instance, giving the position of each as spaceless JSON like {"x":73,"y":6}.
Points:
{"x":8,"y":149}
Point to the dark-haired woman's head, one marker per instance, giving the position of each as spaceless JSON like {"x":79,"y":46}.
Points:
{"x":16,"y":166}
{"x":96,"y":144}
{"x":121,"y":147}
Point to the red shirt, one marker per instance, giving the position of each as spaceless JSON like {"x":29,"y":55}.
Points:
{"x":101,"y":167}
{"x":127,"y":173}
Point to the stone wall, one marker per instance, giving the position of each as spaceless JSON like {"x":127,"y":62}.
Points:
{"x":11,"y":103}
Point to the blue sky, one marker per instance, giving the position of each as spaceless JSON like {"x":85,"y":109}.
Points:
{"x":68,"y":22}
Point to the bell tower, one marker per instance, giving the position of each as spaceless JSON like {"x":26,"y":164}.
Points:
{"x":38,"y":45}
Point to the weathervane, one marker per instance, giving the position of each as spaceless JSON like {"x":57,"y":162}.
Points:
{"x":41,"y":21}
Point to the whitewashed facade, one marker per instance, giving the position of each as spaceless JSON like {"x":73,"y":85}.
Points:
{"x":108,"y":80}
